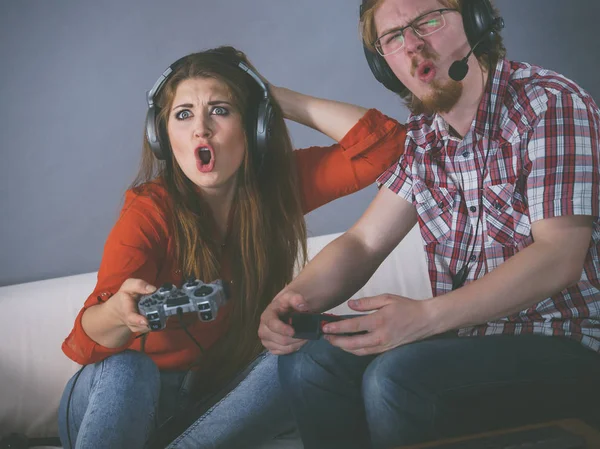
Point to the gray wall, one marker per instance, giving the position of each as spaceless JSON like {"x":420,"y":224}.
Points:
{"x":74,"y":74}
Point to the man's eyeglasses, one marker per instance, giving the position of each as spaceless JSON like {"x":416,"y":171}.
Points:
{"x":424,"y":25}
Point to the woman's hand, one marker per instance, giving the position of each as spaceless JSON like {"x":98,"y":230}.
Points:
{"x":111,"y":324}
{"x":123,"y":304}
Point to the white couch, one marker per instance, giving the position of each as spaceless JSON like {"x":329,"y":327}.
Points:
{"x":37,"y":316}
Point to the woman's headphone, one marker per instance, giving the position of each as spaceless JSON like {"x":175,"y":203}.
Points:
{"x":259,"y":120}
{"x":481,"y":27}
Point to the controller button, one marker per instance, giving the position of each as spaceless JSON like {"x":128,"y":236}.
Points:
{"x":203,"y":291}
{"x":206,"y":316}
{"x":177,"y":301}
{"x":166,"y":287}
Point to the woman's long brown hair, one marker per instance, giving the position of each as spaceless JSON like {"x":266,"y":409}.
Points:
{"x":268,"y":231}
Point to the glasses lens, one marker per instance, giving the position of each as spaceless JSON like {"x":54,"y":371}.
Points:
{"x":390,"y":43}
{"x":429,"y":23}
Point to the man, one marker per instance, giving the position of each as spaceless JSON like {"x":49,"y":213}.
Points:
{"x":501,"y":172}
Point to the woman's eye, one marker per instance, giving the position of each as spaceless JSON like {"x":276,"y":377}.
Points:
{"x":220,"y":110}
{"x":183,"y":114}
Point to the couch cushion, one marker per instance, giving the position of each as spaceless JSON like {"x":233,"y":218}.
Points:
{"x":34,"y":370}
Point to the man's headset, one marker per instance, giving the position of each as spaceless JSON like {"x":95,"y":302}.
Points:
{"x":481,"y":27}
{"x":259,"y":120}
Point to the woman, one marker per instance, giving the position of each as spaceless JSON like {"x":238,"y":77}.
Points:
{"x":225,"y":203}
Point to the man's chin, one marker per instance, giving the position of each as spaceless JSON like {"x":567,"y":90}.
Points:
{"x":443,"y":98}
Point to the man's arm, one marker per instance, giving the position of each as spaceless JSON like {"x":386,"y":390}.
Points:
{"x":348,"y":262}
{"x":550,"y":264}
{"x":340,"y":269}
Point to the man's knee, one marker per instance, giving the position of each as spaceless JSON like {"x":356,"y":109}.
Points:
{"x":299,"y":366}
{"x":396,"y":374}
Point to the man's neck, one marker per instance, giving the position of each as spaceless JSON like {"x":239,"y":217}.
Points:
{"x":460,"y":117}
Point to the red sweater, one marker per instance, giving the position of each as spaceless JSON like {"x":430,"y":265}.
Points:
{"x":141,"y":244}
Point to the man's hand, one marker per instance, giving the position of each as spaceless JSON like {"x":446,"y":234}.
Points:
{"x":275,"y":335}
{"x":396,"y":321}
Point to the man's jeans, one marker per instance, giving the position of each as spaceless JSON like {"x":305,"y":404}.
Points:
{"x":120,"y":402}
{"x":439,"y":387}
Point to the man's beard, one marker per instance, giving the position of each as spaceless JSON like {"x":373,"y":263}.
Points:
{"x":444,"y":96}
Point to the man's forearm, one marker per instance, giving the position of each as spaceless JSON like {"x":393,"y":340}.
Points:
{"x":335,"y":274}
{"x":332,"y":118}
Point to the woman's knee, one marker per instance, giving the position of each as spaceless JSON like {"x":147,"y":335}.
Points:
{"x":133,"y":363}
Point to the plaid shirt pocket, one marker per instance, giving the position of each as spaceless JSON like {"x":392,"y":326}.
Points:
{"x":507,"y":222}
{"x":435,"y":207}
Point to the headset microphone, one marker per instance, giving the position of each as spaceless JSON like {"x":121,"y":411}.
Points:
{"x":459,"y":69}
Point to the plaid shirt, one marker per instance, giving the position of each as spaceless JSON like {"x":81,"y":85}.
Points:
{"x":541,"y":134}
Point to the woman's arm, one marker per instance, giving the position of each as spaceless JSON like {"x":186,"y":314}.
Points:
{"x":372,"y":144}
{"x":332,"y":118}
{"x":109,"y":320}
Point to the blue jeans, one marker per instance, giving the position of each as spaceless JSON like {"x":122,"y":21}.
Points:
{"x":439,"y":387}
{"x":122,"y":401}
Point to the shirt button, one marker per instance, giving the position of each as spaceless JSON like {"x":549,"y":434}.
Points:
{"x":441,"y":204}
{"x":497,"y":205}
{"x":473,"y":258}
{"x":473,"y":209}
{"x":465,"y":154}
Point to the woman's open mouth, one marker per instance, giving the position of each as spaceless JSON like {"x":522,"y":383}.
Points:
{"x":205,"y":158}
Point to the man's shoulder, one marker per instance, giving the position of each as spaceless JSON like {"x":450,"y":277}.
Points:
{"x":530,"y":92}
{"x":534,"y":85}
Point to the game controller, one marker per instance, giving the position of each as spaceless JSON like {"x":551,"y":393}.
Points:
{"x":309,"y":326}
{"x":193,"y":296}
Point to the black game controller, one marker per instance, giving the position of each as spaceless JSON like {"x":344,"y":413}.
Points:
{"x":193,"y":296}
{"x":309,"y":326}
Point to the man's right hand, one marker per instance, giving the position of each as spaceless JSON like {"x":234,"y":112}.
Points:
{"x":275,"y":335}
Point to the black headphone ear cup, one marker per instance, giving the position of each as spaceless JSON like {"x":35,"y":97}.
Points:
{"x":478,"y":19}
{"x":382,"y":72}
{"x":262,"y":130}
{"x":153,"y":134}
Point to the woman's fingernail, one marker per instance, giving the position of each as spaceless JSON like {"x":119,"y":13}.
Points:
{"x":150,"y":288}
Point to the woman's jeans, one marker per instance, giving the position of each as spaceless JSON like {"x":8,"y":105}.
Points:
{"x":435,"y":388}
{"x":122,"y":401}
